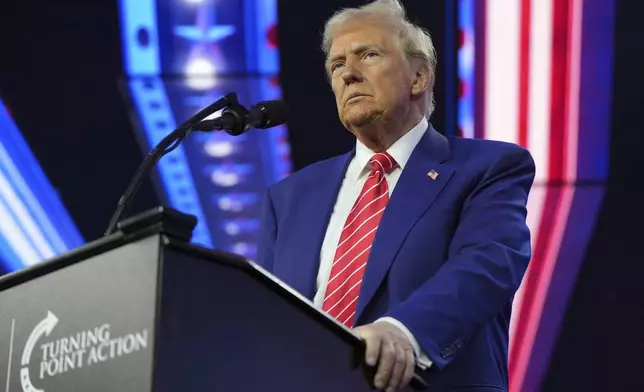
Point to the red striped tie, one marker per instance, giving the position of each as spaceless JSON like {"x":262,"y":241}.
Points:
{"x":355,"y":242}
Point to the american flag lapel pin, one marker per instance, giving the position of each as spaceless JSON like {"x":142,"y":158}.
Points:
{"x":433,"y":174}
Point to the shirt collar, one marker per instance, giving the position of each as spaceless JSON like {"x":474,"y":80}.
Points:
{"x":401,"y":150}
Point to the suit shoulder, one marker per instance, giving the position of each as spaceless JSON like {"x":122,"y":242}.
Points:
{"x":485,"y":145}
{"x":489,"y":150}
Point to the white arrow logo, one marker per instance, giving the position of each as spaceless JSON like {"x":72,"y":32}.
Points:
{"x":44,"y":327}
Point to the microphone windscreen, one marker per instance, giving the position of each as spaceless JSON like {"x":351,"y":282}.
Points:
{"x":274,"y":113}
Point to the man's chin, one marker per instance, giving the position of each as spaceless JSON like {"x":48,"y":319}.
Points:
{"x":359,"y":119}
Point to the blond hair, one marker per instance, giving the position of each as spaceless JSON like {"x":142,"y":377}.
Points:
{"x":415,"y":41}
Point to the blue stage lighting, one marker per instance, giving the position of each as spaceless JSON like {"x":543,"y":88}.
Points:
{"x":194,"y":53}
{"x":34,"y":224}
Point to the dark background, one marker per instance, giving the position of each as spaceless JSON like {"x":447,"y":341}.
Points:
{"x":60,"y":62}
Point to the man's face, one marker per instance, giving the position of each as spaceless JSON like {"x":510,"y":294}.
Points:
{"x":369,"y":75}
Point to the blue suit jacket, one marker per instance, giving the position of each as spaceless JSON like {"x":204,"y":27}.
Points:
{"x":447,"y":258}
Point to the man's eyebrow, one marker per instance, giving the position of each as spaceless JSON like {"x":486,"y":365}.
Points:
{"x":357,"y":50}
{"x":335,"y":58}
{"x":363,"y":48}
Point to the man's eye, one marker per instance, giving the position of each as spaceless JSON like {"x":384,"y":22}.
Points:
{"x":336,"y":66}
{"x":371,"y":54}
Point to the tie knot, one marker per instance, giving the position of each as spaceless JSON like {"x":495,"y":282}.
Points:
{"x":383,"y":161}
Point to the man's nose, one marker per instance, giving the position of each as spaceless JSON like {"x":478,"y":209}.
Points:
{"x":351,"y":73}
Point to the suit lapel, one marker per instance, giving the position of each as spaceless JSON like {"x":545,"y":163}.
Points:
{"x":414,"y":193}
{"x":313,"y":214}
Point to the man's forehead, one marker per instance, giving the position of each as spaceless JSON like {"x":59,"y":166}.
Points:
{"x":358,"y":37}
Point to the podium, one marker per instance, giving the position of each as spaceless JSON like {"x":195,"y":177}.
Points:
{"x":145,"y":310}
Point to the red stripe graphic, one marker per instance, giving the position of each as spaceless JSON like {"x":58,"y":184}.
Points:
{"x":559,"y":88}
{"x":519,"y":354}
{"x":524,"y":72}
{"x":563,"y":129}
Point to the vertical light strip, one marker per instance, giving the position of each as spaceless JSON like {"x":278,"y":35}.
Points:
{"x":538,"y":131}
{"x":251,"y":36}
{"x":572,"y":129}
{"x":139,"y":33}
{"x":466,"y":55}
{"x":562,"y":209}
{"x":142,"y":64}
{"x":522,"y":359}
{"x":480,"y":54}
{"x":259,"y":17}
{"x":275,"y":140}
{"x":451,"y":67}
{"x":266,"y":16}
{"x":539,"y":91}
{"x":150,"y":98}
{"x":502,"y":70}
{"x":524,"y":71}
{"x":538,"y":126}
{"x":536,"y":202}
{"x":574,"y":90}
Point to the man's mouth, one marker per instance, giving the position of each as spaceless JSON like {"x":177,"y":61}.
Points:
{"x":355,"y":97}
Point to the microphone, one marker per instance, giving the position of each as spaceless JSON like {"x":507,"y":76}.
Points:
{"x":165,"y":146}
{"x":236,"y":119}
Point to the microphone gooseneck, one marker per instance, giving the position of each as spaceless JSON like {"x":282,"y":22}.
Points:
{"x":235,"y":119}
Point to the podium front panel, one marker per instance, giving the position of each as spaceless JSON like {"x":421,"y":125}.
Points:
{"x":227,"y":328}
{"x":86,"y":327}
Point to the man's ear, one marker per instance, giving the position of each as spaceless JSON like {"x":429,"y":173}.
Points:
{"x":422,"y":81}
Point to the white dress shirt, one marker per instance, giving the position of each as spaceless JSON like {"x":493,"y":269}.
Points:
{"x":355,"y":177}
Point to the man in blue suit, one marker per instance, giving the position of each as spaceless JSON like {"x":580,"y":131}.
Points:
{"x":416,"y":241}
